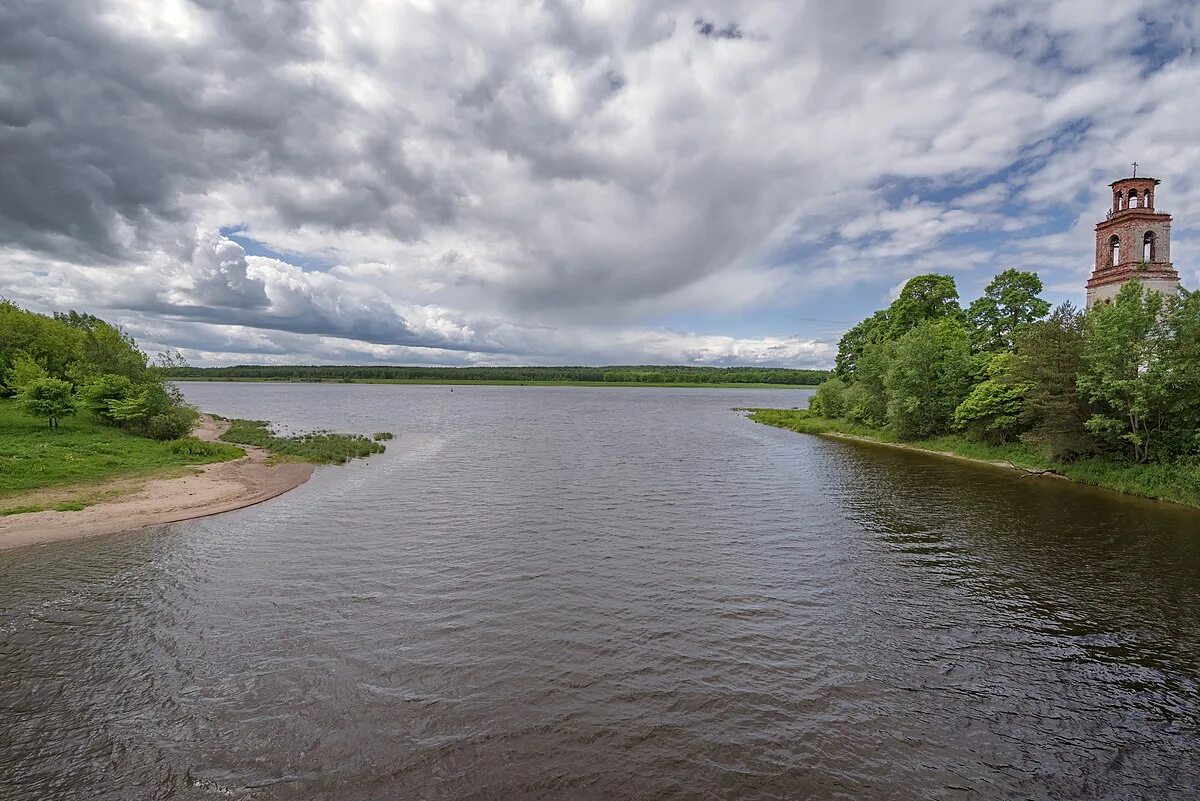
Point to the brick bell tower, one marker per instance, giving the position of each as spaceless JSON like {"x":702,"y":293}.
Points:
{"x":1133,"y":241}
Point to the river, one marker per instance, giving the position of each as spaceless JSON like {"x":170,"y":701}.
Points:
{"x":564,"y":592}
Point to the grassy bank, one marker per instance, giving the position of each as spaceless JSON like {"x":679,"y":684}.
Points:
{"x":499,"y":383}
{"x":1179,"y":483}
{"x":63,"y":468}
{"x":318,"y":447}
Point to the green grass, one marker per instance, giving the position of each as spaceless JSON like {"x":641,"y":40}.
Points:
{"x":319,"y":447}
{"x":500,"y":383}
{"x":80,"y":454}
{"x":1178,"y":483}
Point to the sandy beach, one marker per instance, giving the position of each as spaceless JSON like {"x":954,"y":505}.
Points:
{"x":215,"y":488}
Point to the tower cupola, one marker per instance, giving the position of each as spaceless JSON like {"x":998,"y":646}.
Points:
{"x":1133,"y":241}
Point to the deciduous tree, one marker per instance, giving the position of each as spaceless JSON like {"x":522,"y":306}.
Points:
{"x":927,"y":378}
{"x":924,"y":298}
{"x":1122,"y":370}
{"x":1010,"y":302}
{"x":1048,"y":359}
{"x":48,"y":397}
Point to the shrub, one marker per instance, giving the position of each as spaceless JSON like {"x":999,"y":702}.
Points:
{"x":199,"y":450}
{"x":992,"y":410}
{"x":829,"y":399}
{"x":383,"y":436}
{"x":102,"y":391}
{"x":155,"y":412}
{"x":172,"y":423}
{"x":48,"y":397}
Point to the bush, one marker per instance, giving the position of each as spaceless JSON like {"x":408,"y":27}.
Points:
{"x":153,"y":411}
{"x":172,"y":423}
{"x":199,"y":450}
{"x":383,"y":436}
{"x":830,"y":399}
{"x":992,"y":410}
{"x":100,"y":393}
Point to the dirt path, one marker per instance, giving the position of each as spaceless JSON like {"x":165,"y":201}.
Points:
{"x":213,"y":489}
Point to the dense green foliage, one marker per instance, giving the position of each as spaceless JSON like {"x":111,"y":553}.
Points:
{"x":50,"y":398}
{"x":1177,"y":482}
{"x":616,"y":374}
{"x":1009,"y":303}
{"x":928,"y":373}
{"x":57,"y":365}
{"x":320,"y":447}
{"x":1120,"y":382}
{"x":83,"y":451}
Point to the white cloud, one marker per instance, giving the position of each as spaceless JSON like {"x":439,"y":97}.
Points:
{"x":500,"y":181}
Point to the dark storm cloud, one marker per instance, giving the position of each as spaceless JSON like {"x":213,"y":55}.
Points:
{"x":106,"y":134}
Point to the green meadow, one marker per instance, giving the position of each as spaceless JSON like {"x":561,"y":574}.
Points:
{"x":81,"y":454}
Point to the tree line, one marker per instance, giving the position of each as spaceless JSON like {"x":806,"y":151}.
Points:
{"x":55,"y":366}
{"x":1121,"y":379}
{"x":637,"y":374}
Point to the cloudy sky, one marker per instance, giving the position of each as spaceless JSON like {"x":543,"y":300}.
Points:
{"x":586,"y":182}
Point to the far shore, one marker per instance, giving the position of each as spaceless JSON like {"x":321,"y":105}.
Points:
{"x":212,"y":489}
{"x":493,"y":383}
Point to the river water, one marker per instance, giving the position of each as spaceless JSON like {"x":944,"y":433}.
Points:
{"x":606,"y":593}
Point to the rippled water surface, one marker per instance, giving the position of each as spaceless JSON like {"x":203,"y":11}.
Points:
{"x":609,"y":593}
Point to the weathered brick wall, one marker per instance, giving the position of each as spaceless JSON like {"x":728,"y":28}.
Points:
{"x":1131,"y":228}
{"x":1143,"y":187}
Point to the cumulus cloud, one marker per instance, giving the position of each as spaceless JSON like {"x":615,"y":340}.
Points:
{"x":628,"y":181}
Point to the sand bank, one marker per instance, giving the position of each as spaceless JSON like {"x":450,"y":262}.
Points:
{"x":213,"y":489}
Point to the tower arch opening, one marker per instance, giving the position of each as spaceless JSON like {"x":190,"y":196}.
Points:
{"x":1133,"y":198}
{"x":1114,"y":250}
{"x":1148,"y":243}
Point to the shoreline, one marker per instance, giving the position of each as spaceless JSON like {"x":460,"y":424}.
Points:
{"x":214,"y":488}
{"x":1003,"y":465}
{"x":480,"y":382}
{"x":1134,"y":481}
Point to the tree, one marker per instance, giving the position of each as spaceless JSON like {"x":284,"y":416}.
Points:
{"x":102,"y":348}
{"x":1123,"y":373}
{"x":24,"y":370}
{"x":47,"y":397}
{"x":1181,"y":375}
{"x":924,"y":298}
{"x":927,"y":378}
{"x":1048,"y":359}
{"x":1009,"y":303}
{"x":856,"y":340}
{"x":992,"y":410}
{"x":100,"y":393}
{"x":867,"y":397}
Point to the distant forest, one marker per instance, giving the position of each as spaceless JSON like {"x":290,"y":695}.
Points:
{"x":615,"y":374}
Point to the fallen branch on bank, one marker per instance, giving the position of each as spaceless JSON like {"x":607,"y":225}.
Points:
{"x":1048,"y":472}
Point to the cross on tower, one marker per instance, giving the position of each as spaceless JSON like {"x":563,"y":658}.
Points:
{"x":1135,"y":169}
